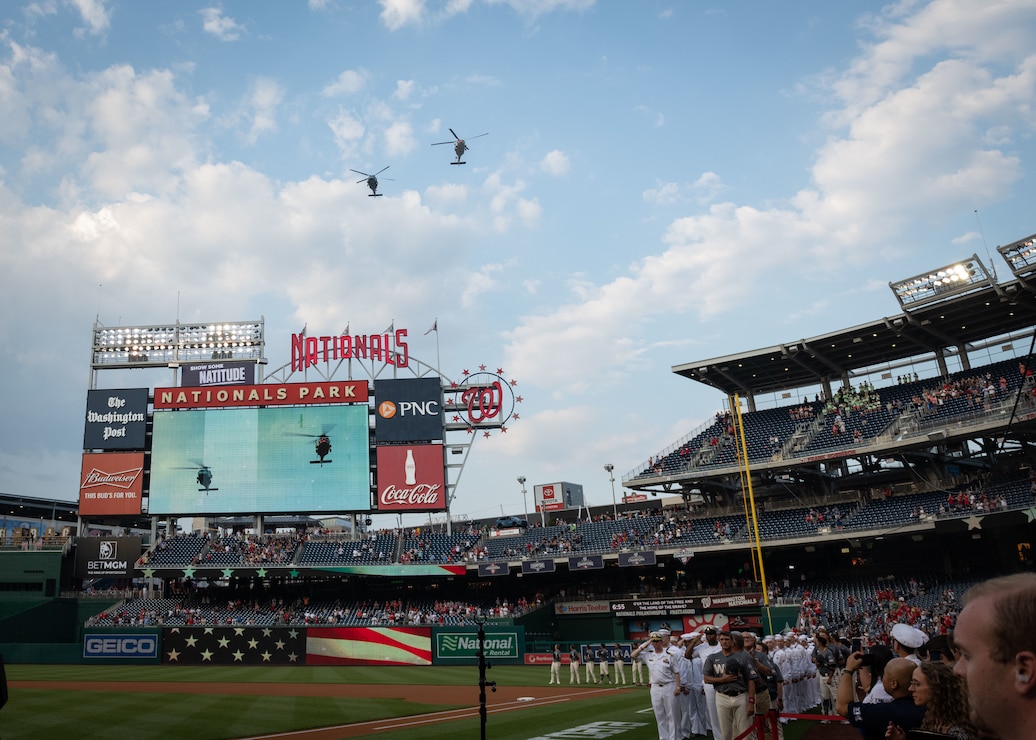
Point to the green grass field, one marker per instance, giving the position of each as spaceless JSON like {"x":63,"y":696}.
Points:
{"x":51,"y":713}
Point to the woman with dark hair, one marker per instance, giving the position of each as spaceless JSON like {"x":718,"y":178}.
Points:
{"x":935,"y":687}
{"x":869,"y":676}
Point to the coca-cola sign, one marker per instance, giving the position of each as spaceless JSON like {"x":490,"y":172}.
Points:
{"x":411,"y":478}
{"x":111,"y":483}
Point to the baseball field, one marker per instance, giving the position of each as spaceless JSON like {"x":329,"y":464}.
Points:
{"x":311,"y":703}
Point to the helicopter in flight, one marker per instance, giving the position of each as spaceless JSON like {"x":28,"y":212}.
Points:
{"x":372,"y":180}
{"x":203,"y":477}
{"x":459,"y":145}
{"x":322,"y":445}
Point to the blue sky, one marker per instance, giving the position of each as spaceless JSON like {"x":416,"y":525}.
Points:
{"x":662,"y":182}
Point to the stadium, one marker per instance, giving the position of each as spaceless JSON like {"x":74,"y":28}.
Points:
{"x":852,"y":479}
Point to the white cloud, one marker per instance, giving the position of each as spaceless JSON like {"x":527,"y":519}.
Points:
{"x":399,"y":139}
{"x":555,"y":163}
{"x":479,"y":282}
{"x":537,"y":8}
{"x":529,"y":211}
{"x":348,"y":82}
{"x":665,"y":194}
{"x":264,"y":98}
{"x":404,"y":89}
{"x":347,"y":131}
{"x":447,"y":195}
{"x":222,"y":27}
{"x":398,"y":13}
{"x":95,"y":15}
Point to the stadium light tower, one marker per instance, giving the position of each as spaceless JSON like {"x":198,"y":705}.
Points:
{"x":611,"y":476}
{"x":965,"y":276}
{"x":525,"y":503}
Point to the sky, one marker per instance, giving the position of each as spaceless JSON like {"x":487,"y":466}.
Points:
{"x":662,"y":182}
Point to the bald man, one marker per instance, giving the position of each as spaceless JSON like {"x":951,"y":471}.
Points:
{"x":873,"y":719}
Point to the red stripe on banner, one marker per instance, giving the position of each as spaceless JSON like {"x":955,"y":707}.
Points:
{"x":369,"y":646}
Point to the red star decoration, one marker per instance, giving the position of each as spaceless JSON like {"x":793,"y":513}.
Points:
{"x":456,"y":417}
{"x":485,"y":434}
{"x":514,"y":383}
{"x":466,"y":372}
{"x":471,"y":430}
{"x":453,"y":384}
{"x":517,"y":399}
{"x":499,"y":371}
{"x":503,"y":430}
{"x":482,"y":367}
{"x":514,"y":416}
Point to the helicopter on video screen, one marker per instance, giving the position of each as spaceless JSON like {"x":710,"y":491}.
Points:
{"x":321,"y":444}
{"x":459,"y":145}
{"x":372,"y":180}
{"x":203,"y":476}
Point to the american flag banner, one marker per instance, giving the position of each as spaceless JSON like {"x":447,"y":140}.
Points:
{"x":200,"y":645}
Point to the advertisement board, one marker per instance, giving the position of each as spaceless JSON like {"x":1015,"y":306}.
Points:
{"x":411,"y":478}
{"x":218,"y":372}
{"x":460,"y":645}
{"x":549,"y":497}
{"x":111,"y":483}
{"x":109,"y":557}
{"x":270,"y":394}
{"x":115,"y":419}
{"x":558,"y":496}
{"x":111,"y":645}
{"x":260,"y":460}
{"x":408,"y":410}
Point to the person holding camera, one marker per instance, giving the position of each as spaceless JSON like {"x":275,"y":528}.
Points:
{"x":873,"y":719}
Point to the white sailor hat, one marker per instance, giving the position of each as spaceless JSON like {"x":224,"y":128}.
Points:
{"x":908,"y":636}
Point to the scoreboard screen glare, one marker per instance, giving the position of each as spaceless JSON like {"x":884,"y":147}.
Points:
{"x":288,"y":460}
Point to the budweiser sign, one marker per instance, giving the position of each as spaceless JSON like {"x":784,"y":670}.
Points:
{"x":111,"y":483}
{"x":122,"y":479}
{"x":411,"y":478}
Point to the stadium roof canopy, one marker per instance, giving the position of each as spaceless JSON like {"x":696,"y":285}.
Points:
{"x":26,"y":508}
{"x":989,"y":310}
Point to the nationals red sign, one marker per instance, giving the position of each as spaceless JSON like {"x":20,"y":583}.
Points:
{"x":284,"y":394}
{"x":411,"y":478}
{"x":111,"y":483}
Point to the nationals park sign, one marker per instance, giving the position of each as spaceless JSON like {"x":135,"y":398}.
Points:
{"x":271,"y":394}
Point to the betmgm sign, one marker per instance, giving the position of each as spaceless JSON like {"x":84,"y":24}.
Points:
{"x":461,"y":646}
{"x":106,"y":557}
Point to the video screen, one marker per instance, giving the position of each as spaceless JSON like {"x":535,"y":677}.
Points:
{"x":287,"y":459}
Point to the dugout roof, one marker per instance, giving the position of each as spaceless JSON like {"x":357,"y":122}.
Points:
{"x":991,"y":311}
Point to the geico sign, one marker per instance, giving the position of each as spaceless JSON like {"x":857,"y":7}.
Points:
{"x":120,"y":646}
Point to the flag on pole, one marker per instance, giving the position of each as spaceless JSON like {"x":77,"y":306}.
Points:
{"x":435,"y":327}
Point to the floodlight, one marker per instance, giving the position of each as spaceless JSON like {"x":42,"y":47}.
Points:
{"x":930,"y":287}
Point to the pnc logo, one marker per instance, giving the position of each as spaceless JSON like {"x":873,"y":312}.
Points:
{"x":408,"y":409}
